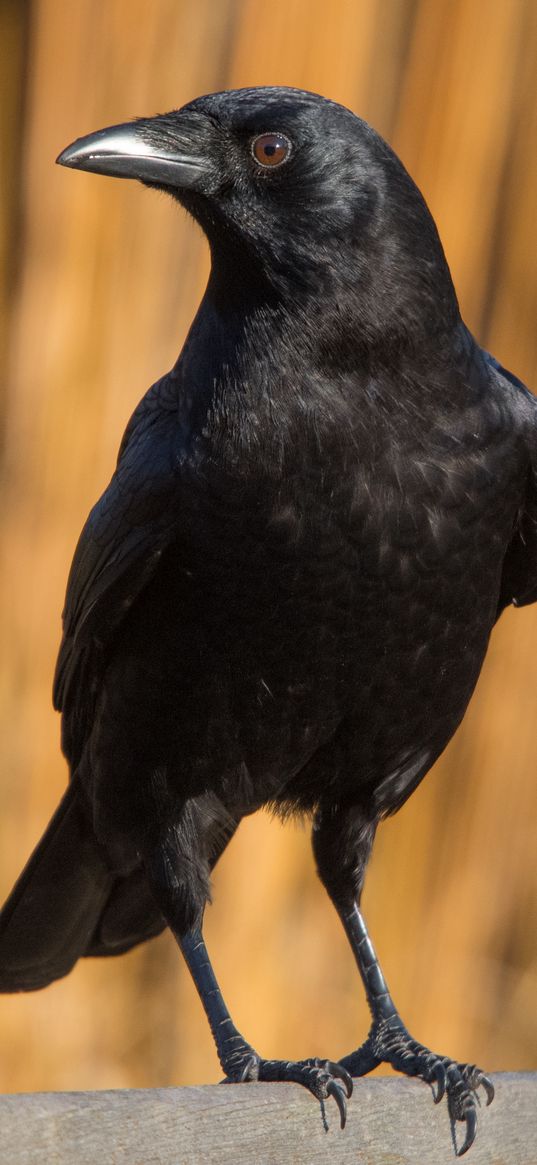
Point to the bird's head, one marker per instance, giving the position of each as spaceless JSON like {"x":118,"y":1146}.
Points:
{"x":297,"y":196}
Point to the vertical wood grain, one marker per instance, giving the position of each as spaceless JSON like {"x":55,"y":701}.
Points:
{"x":110,"y":276}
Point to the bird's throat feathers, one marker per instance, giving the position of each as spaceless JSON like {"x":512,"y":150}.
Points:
{"x":261,"y":376}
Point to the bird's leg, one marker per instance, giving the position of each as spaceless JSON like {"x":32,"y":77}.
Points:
{"x":178,"y":874}
{"x":235,"y":1054}
{"x":239,"y":1060}
{"x":390,"y":1042}
{"x":342,"y":842}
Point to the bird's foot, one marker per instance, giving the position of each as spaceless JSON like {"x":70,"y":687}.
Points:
{"x":389,"y":1042}
{"x":321,"y":1077}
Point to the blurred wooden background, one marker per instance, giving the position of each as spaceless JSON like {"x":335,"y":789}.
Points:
{"x":98,"y":282}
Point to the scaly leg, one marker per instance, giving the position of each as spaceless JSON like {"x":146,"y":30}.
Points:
{"x":342,"y":843}
{"x":176,"y":859}
{"x":238,"y":1059}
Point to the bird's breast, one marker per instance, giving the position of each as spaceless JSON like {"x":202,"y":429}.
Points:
{"x":346,"y":576}
{"x":358,"y":593}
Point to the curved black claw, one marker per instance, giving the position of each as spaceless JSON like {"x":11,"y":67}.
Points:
{"x":463,"y":1083}
{"x":336,"y":1091}
{"x":475,"y":1079}
{"x":323,"y":1078}
{"x":389,"y":1042}
{"x":471,"y":1129}
{"x":489,"y":1088}
{"x":438,"y":1075}
{"x":336,"y":1070}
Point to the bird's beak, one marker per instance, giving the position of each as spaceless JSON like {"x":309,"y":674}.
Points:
{"x":140,"y":149}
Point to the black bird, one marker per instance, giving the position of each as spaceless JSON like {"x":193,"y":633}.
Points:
{"x":285,"y":595}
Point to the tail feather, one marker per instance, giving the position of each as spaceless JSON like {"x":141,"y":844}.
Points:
{"x":130,"y":916}
{"x":70,"y":902}
{"x":53,"y":910}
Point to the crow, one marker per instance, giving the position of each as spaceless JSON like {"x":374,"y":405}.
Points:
{"x":285,"y":595}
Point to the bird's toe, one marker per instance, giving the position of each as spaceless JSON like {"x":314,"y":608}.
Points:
{"x":389,"y":1042}
{"x":323,"y":1078}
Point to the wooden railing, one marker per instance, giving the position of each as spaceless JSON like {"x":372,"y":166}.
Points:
{"x":391,"y":1122}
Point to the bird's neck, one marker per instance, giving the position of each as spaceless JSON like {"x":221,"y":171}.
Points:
{"x":234,"y":366}
{"x":269,"y":365}
{"x":392,"y":289}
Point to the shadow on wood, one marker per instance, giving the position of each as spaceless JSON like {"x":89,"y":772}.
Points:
{"x":391,"y":1122}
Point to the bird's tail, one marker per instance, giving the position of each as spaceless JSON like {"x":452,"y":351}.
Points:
{"x":69,"y":902}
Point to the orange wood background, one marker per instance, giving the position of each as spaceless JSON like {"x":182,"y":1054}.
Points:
{"x":98,"y":282}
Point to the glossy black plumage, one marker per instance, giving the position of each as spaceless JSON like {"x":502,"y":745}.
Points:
{"x":286,"y":593}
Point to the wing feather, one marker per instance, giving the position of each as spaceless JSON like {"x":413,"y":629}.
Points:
{"x":519,"y":576}
{"x":117,"y":554}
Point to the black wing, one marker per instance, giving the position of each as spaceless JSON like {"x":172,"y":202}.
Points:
{"x":117,"y":554}
{"x":519,"y":576}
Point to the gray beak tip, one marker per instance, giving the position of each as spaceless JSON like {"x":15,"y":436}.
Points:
{"x":66,"y":157}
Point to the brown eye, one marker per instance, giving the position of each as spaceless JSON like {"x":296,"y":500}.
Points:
{"x":271,"y":149}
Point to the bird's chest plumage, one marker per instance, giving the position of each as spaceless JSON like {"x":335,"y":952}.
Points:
{"x":341,"y":589}
{"x":346,"y":587}
{"x":351,"y":537}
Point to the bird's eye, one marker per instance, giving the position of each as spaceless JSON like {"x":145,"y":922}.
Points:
{"x":271,"y":149}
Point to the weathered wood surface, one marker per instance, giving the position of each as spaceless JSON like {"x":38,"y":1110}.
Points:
{"x":391,"y":1122}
